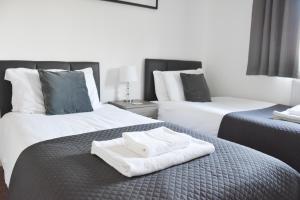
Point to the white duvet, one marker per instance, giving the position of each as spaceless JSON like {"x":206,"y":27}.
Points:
{"x":19,"y":131}
{"x":205,"y":117}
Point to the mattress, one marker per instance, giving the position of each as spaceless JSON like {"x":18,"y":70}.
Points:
{"x":19,"y":131}
{"x":72,"y":173}
{"x":205,"y":117}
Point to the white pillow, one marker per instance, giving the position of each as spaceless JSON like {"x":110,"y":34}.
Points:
{"x":160,"y":87}
{"x":91,"y":86}
{"x":174,"y":84}
{"x":27,"y":96}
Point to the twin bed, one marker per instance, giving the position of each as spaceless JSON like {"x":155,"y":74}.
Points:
{"x":48,"y":157}
{"x":243,"y":121}
{"x":205,"y":116}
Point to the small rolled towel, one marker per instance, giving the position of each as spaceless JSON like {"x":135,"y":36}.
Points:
{"x":156,"y":141}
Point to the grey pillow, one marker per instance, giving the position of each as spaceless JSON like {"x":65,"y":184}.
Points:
{"x":64,"y":92}
{"x":195,"y":88}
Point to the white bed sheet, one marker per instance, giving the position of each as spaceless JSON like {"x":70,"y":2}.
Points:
{"x":19,"y":131}
{"x":205,"y":117}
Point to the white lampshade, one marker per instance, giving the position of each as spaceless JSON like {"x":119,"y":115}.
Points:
{"x":128,"y":74}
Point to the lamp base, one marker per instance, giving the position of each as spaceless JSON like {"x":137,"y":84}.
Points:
{"x":133,"y":102}
{"x":127,"y":101}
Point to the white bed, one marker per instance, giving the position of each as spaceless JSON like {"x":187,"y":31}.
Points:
{"x":19,"y":131}
{"x":205,"y":117}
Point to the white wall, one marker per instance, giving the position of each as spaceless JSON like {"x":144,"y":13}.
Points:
{"x":225,"y":53}
{"x":93,"y":30}
{"x":214,"y":31}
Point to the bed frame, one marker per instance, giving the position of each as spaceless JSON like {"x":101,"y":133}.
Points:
{"x":5,"y":86}
{"x":163,"y":65}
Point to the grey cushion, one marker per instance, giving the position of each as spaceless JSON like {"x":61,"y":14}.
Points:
{"x":195,"y":87}
{"x":64,"y":92}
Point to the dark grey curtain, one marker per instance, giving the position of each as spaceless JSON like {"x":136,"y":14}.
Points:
{"x":274,"y":43}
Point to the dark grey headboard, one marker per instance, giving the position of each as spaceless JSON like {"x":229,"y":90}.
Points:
{"x":5,"y":86}
{"x":163,"y":65}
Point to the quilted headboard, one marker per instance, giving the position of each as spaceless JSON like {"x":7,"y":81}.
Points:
{"x":163,"y":65}
{"x":5,"y":86}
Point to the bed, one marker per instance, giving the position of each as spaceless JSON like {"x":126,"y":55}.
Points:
{"x":204,"y":117}
{"x":244,"y":121}
{"x":50,"y":157}
{"x":258,"y":130}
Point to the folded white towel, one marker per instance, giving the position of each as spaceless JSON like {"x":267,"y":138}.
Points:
{"x":156,"y":141}
{"x":294,"y":110}
{"x":286,"y":116}
{"x":128,"y":163}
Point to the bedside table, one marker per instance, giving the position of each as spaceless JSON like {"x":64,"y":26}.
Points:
{"x":145,"y":108}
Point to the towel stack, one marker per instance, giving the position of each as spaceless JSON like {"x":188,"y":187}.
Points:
{"x":139,"y":153}
{"x":291,"y":115}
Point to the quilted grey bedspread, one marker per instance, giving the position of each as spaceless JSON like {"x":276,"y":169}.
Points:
{"x":63,"y":168}
{"x":257,"y":129}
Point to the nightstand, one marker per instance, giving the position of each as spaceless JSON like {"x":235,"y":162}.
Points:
{"x":145,"y":108}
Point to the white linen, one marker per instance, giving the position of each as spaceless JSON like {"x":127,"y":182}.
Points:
{"x":160,"y":86}
{"x":174,"y":84}
{"x":128,"y":163}
{"x":91,"y":86}
{"x":286,"y":116}
{"x":27,"y":96}
{"x":155,"y":142}
{"x":294,"y":110}
{"x":19,"y":130}
{"x":205,"y":117}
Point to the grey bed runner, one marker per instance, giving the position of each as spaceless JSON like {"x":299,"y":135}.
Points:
{"x":257,"y":129}
{"x":64,"y":169}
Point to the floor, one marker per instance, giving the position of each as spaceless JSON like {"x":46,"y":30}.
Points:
{"x":3,"y":189}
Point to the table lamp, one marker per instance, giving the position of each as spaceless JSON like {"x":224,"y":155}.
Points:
{"x":128,"y":75}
